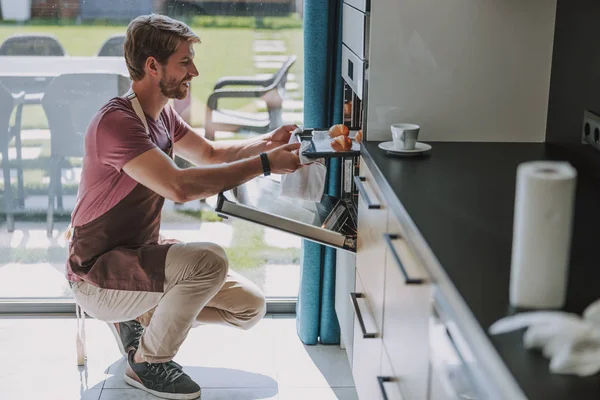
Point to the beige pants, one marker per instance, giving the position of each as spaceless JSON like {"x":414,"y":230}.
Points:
{"x":199,"y":289}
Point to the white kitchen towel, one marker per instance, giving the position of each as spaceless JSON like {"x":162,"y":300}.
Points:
{"x":307,"y":182}
{"x":571,"y":343}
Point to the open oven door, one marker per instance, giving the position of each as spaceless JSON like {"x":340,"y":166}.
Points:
{"x":332,"y":222}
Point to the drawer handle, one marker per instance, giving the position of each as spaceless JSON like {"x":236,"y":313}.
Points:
{"x":358,"y":180}
{"x":354,"y":297}
{"x":409,"y":281}
{"x":382,"y":380}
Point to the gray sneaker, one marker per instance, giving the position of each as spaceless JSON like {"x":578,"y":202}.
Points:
{"x":166,"y":380}
{"x":127,"y":334}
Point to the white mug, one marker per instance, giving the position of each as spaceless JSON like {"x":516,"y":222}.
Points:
{"x":405,"y":136}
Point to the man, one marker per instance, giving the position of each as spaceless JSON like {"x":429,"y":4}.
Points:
{"x":152,"y":291}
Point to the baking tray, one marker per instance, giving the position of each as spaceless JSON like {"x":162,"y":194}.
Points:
{"x":322,"y":148}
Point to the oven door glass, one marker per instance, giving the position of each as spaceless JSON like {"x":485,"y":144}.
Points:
{"x":331,"y":222}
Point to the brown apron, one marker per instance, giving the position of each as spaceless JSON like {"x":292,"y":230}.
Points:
{"x":122,"y":248}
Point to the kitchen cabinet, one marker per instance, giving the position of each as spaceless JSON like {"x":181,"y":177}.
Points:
{"x":396,"y":292}
{"x":370,"y":268}
{"x":407,"y":305}
{"x":366,"y":361}
{"x":371,"y":254}
{"x":389,"y":382}
{"x":456,"y":209}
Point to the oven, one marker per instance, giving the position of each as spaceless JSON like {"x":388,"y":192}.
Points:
{"x":355,"y":62}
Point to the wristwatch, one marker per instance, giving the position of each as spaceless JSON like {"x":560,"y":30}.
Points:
{"x":265,"y":164}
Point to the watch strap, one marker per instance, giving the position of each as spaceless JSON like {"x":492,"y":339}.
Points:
{"x":265,"y":164}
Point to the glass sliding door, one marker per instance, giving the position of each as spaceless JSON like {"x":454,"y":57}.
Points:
{"x":258,"y":41}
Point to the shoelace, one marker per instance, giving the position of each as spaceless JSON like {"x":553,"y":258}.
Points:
{"x":169,"y":370}
{"x":139,"y":330}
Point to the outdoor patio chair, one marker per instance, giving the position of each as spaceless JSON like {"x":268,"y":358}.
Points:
{"x":30,"y":45}
{"x":8,"y":102}
{"x":37,"y":44}
{"x":113,"y":46}
{"x":70,"y":102}
{"x":271,"y":90}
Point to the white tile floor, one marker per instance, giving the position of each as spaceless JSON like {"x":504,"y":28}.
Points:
{"x":266,"y":362}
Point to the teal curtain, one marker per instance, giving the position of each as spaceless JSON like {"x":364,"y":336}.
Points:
{"x":323,"y":101}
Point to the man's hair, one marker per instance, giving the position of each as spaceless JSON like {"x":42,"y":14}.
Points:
{"x":155,"y":36}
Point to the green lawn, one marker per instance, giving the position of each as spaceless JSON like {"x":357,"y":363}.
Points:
{"x":223,"y":52}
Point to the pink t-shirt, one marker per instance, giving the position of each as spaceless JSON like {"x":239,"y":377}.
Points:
{"x":114,"y":137}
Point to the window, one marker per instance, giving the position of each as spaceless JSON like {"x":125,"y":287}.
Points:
{"x":41,"y":40}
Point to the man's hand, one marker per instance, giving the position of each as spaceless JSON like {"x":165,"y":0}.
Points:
{"x":279,"y":136}
{"x":284,"y":159}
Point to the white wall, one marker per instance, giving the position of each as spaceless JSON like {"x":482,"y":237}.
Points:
{"x":465,"y":70}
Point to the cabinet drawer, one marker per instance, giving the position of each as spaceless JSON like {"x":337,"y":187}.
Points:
{"x":407,"y":305}
{"x":345,"y":281}
{"x":370,"y":248}
{"x":362,"y":5}
{"x":368,"y":189}
{"x":354,"y":24}
{"x":352,"y":71}
{"x":389,"y":382}
{"x":366,"y":358}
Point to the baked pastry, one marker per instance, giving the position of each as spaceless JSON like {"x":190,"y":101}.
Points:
{"x":339,"y":129}
{"x":341,"y":143}
{"x":347,"y":109}
{"x":358,"y":136}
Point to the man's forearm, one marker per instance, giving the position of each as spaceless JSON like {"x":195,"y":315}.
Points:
{"x":232,"y":150}
{"x":202,"y":182}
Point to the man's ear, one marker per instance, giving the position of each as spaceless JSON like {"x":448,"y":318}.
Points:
{"x":152,"y":66}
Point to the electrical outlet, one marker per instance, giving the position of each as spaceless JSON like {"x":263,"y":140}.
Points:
{"x":591,"y":129}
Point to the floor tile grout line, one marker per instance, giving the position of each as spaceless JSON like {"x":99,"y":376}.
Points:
{"x":315,"y":387}
{"x":276,"y":340}
{"x":231,"y":388}
{"x":251,"y":387}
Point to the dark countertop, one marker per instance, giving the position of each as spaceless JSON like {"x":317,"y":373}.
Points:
{"x":461,"y":198}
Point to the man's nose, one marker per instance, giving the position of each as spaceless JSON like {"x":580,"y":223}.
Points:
{"x":192,"y":70}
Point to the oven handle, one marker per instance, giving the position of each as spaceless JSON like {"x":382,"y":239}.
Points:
{"x":358,"y":180}
{"x":354,"y":297}
{"x":408,"y":280}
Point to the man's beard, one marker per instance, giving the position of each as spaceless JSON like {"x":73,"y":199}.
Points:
{"x":172,"y":88}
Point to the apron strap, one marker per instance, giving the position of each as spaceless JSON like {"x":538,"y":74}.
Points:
{"x":80,"y":340}
{"x":137,"y":107}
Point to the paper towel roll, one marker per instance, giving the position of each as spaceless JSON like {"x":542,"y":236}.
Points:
{"x":542,"y":234}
